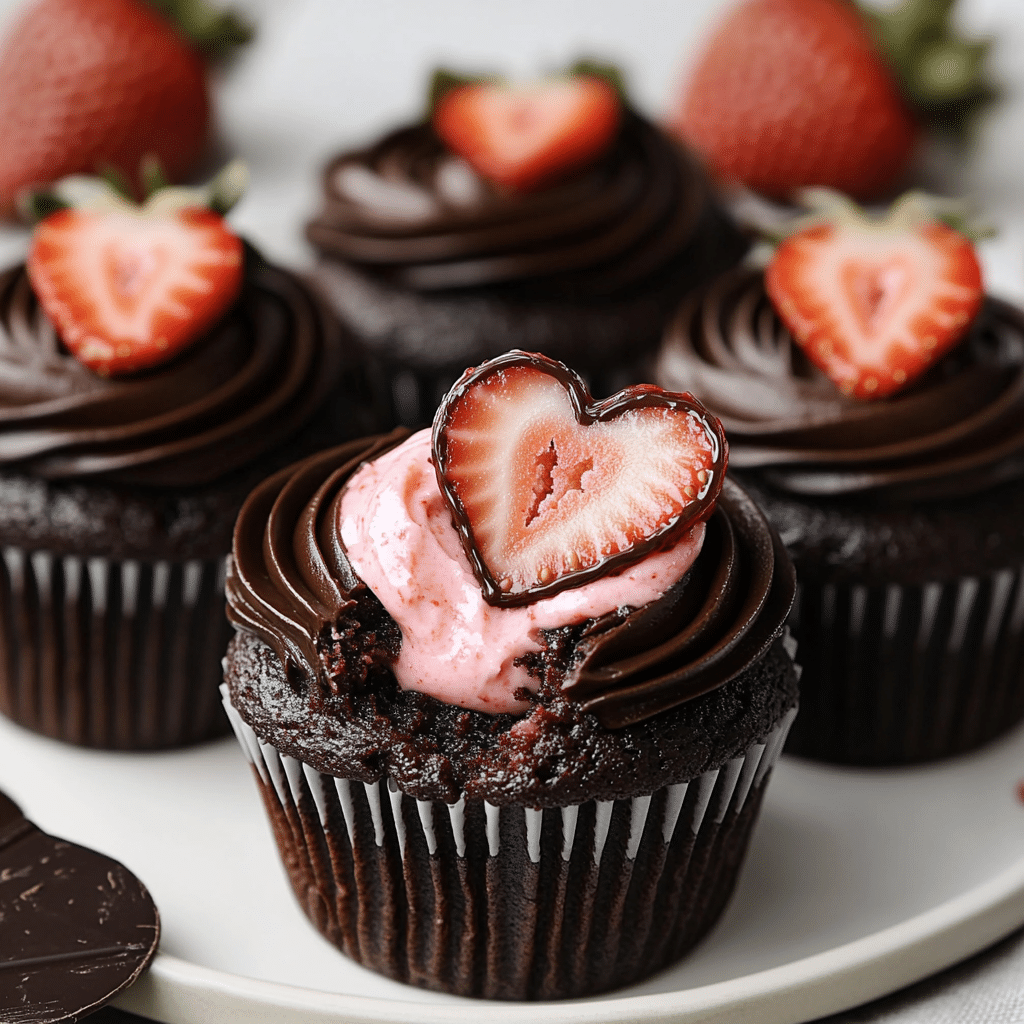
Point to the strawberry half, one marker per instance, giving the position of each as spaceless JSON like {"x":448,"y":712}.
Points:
{"x":548,"y":489}
{"x":523,"y":136}
{"x":128,"y":289}
{"x":874,"y":303}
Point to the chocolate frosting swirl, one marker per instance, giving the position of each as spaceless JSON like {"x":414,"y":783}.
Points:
{"x":958,"y":429}
{"x":292,"y":586}
{"x":242,"y":388}
{"x":412,"y":212}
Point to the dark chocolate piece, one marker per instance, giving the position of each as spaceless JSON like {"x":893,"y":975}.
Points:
{"x":76,"y":927}
{"x":586,"y":412}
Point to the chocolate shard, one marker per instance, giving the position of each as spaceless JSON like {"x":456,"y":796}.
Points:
{"x":76,"y":926}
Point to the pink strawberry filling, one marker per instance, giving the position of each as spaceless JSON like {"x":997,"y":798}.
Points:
{"x":399,"y":537}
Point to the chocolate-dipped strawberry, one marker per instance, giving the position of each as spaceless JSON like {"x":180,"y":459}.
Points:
{"x":76,"y":926}
{"x":549,"y":488}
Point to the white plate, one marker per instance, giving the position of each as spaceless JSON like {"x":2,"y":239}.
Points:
{"x":857,"y":883}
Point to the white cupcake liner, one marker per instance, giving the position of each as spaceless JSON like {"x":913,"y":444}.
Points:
{"x":116,"y":654}
{"x":902,"y":673}
{"x":511,"y":902}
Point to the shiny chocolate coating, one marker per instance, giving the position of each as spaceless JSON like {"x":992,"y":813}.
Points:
{"x":242,"y":388}
{"x":958,"y":429}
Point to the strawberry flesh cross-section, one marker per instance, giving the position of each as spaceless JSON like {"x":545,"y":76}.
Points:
{"x":521,"y":137}
{"x":548,"y":489}
{"x":127,"y":291}
{"x":875,"y":303}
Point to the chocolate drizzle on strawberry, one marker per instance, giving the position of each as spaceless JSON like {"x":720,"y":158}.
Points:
{"x":732,"y":602}
{"x":543,"y":497}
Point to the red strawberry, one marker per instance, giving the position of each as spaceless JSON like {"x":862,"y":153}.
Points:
{"x":127,"y":290}
{"x":91,"y":84}
{"x":549,"y":489}
{"x":523,"y":136}
{"x":874,"y":303}
{"x":790,"y":93}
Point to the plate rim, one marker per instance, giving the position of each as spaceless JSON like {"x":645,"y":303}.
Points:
{"x":809,"y":987}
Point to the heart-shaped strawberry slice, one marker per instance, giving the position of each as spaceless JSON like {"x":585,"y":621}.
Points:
{"x":522,"y":136}
{"x":549,"y":489}
{"x":128,"y":290}
{"x":875,"y":302}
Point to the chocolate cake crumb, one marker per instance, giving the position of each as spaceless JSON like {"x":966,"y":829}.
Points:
{"x":556,"y":754}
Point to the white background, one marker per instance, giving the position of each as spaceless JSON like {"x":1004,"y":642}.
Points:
{"x":325,"y":74}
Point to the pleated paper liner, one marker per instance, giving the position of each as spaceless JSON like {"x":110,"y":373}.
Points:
{"x":901,"y":674}
{"x":114,"y":654}
{"x":511,"y":902}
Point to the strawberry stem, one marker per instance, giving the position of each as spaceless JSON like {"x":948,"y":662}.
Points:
{"x":84,"y":192}
{"x":215,"y":33}
{"x":444,"y":80}
{"x":824,"y":205}
{"x":587,"y":66}
{"x":36,"y":206}
{"x":941,"y":75}
{"x":152,"y":175}
{"x":116,"y":181}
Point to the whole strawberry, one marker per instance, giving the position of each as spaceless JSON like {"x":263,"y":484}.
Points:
{"x":792,"y":93}
{"x":92,"y":85}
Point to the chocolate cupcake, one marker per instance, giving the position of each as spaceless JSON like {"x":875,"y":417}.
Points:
{"x":118,"y":495}
{"x":541,"y":793}
{"x":903,"y":517}
{"x":435,"y":265}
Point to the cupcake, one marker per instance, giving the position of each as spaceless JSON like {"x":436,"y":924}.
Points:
{"x":512,"y":691}
{"x":152,"y":369}
{"x":874,"y":401}
{"x":551,"y":216}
